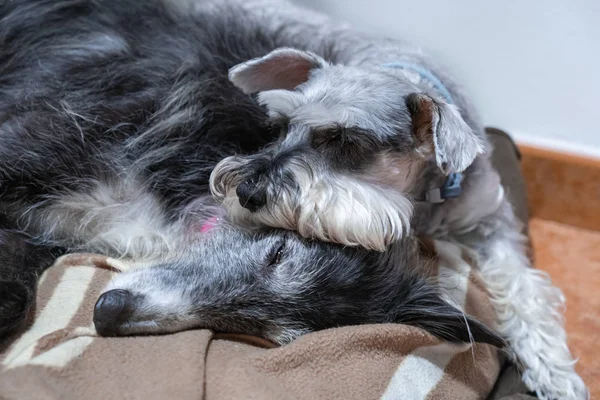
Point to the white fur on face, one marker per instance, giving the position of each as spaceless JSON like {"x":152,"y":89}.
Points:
{"x":326,"y":206}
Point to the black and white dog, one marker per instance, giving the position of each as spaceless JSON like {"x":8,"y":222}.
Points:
{"x":114,"y":114}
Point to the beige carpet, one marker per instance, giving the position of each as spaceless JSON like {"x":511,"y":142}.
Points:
{"x":572,"y":258}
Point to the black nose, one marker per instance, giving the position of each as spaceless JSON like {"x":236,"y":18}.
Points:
{"x":111,"y":310}
{"x":250,"y":196}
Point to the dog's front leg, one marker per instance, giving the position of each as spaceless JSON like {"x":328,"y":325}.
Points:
{"x":529,"y":309}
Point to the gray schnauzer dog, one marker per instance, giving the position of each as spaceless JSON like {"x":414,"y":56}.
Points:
{"x":278,"y":285}
{"x":114,"y":113}
{"x":375,"y":141}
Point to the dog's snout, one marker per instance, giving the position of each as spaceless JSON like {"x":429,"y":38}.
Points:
{"x":111,"y":310}
{"x":251,"y":196}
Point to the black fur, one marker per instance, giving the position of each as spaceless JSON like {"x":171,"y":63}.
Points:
{"x":21,"y":263}
{"x":53,"y":85}
{"x":73,"y":111}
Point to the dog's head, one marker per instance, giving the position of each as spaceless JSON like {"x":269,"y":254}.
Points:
{"x":354,"y":142}
{"x":277,"y":285}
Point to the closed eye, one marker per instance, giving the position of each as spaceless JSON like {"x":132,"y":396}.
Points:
{"x":276,"y":255}
{"x":324,"y":136}
{"x":335,"y":133}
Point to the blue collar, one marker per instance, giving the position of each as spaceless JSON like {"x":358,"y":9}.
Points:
{"x":425,"y":75}
{"x":453,"y":185}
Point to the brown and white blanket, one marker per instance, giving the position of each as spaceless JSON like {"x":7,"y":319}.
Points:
{"x":61,"y":357}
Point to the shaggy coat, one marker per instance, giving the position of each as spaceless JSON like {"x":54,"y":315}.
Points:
{"x":113,"y":115}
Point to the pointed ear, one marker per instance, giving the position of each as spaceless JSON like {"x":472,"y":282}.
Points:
{"x":283,"y":68}
{"x":439,"y":129}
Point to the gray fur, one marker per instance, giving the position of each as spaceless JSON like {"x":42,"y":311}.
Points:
{"x":370,"y":114}
{"x":278,"y":286}
{"x":338,"y":123}
{"x":114,"y":113}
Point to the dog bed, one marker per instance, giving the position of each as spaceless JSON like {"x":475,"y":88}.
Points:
{"x":61,"y":357}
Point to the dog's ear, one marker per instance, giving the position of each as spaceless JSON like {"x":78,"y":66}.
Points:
{"x":440,"y":130}
{"x":284,"y":68}
{"x":424,"y":307}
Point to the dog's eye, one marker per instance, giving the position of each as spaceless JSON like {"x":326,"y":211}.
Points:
{"x":277,"y":255}
{"x":325,"y":136}
{"x":333,"y":134}
{"x":336,"y":132}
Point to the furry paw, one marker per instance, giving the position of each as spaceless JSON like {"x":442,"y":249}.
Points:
{"x":559,"y":383}
{"x":15,"y":302}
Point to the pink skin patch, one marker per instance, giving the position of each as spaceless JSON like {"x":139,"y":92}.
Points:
{"x":209,"y":224}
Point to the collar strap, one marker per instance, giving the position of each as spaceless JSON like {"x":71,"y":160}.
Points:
{"x":425,"y":75}
{"x":452,"y":186}
{"x":451,"y":189}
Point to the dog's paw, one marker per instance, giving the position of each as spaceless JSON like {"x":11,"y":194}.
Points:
{"x":15,"y":302}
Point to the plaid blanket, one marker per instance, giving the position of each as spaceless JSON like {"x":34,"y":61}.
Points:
{"x":61,"y":357}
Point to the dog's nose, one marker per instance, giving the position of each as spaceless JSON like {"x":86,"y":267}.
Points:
{"x":250,"y":196}
{"x":111,"y":310}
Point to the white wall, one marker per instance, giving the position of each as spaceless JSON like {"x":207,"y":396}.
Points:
{"x":533,"y":67}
